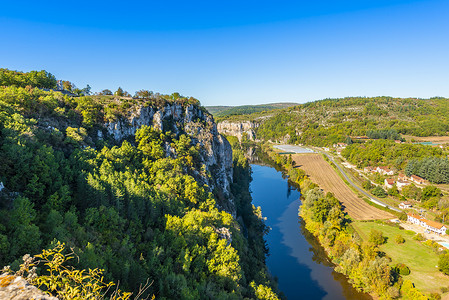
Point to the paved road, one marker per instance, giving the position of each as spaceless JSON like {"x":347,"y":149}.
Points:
{"x":370,"y":197}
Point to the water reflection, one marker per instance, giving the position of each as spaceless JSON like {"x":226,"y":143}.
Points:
{"x":296,"y":258}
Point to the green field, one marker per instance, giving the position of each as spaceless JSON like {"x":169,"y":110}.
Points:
{"x":421,"y":259}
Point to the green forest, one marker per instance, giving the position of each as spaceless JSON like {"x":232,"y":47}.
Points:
{"x":127,"y":207}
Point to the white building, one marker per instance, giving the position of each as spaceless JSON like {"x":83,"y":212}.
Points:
{"x":429,"y":225}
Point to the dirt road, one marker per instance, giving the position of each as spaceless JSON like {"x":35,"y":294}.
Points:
{"x":326,"y":177}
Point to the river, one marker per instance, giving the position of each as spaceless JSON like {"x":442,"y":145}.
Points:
{"x":295,"y":257}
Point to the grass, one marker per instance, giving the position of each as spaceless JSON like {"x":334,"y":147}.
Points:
{"x":421,"y":259}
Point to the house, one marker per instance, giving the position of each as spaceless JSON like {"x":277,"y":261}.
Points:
{"x":435,"y":226}
{"x":369,"y":170}
{"x":405,"y":205}
{"x":413,"y":218}
{"x":402,"y":176}
{"x":429,"y":225}
{"x":384,"y":171}
{"x":401,"y":183}
{"x":389,"y":183}
{"x":417,"y":179}
{"x":340,"y":145}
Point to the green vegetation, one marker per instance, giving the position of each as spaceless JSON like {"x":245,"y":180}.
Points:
{"x":387,"y":153}
{"x":329,"y":121}
{"x":129,"y":208}
{"x":434,"y":169}
{"x":40,"y":79}
{"x":224,"y":111}
{"x":386,"y":134}
{"x":373,"y":255}
{"x":420,"y":258}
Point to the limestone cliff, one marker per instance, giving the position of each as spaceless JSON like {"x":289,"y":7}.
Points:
{"x":239,"y":129}
{"x":216,"y":152}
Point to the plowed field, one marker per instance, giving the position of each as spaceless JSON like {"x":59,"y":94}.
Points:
{"x":326,"y":177}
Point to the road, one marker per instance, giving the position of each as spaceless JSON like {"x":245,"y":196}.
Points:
{"x":370,"y":197}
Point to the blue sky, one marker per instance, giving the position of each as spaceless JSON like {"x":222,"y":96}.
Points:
{"x":235,"y":52}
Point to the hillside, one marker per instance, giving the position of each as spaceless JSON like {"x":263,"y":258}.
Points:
{"x":140,"y":187}
{"x":223,"y":111}
{"x":325,"y":122}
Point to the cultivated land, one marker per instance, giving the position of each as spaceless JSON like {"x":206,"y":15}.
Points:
{"x":326,"y":177}
{"x":433,"y":139}
{"x":420,"y":259}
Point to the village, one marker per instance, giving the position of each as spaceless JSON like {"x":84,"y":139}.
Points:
{"x":417,"y":220}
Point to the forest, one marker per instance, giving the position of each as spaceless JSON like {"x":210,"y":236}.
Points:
{"x":127,"y":208}
{"x":388,"y":153}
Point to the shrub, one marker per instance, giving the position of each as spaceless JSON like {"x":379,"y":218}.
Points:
{"x":443,"y":263}
{"x":379,"y":192}
{"x":376,"y":237}
{"x":402,"y":269}
{"x":419,"y":237}
{"x":399,"y":239}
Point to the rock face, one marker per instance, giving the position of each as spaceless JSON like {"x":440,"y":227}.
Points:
{"x":216,"y":153}
{"x":238,"y":129}
{"x":17,"y":288}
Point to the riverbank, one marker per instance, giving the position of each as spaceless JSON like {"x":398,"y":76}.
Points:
{"x":361,"y":261}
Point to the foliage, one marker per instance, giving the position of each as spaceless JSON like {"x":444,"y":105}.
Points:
{"x":408,"y":291}
{"x":40,"y":79}
{"x":399,"y":239}
{"x":379,"y":192}
{"x":386,"y":134}
{"x":136,"y":209}
{"x":443,"y":263}
{"x":64,"y":281}
{"x":329,"y":121}
{"x":434,"y":169}
{"x":376,"y":237}
{"x":402,"y":269}
{"x":386,"y":152}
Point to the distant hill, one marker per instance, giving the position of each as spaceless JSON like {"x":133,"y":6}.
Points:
{"x":329,"y":121}
{"x":223,"y":111}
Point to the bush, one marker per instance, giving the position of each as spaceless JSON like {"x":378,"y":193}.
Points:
{"x":443,"y":263}
{"x":376,"y":237}
{"x":402,"y":269}
{"x":419,"y":237}
{"x":399,"y":239}
{"x":379,"y":192}
{"x":403,"y":217}
{"x":434,"y":296}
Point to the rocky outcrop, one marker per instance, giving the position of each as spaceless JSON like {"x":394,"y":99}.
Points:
{"x":216,"y":153}
{"x":239,"y":129}
{"x":17,"y":288}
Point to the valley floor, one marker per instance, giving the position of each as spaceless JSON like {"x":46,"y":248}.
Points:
{"x":326,"y":177}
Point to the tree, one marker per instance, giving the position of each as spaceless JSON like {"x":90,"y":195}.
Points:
{"x":399,"y":239}
{"x":68,"y":86}
{"x":119,"y":92}
{"x":143,"y":94}
{"x":443,"y":263}
{"x":376,"y":237}
{"x":379,"y":192}
{"x":106,"y":92}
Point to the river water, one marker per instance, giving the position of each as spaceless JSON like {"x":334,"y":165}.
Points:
{"x":295,"y":257}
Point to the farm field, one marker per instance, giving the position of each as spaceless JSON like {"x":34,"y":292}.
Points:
{"x":326,"y":177}
{"x":433,"y":139}
{"x":420,"y":259}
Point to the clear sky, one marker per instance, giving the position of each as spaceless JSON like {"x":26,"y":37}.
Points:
{"x":235,"y":52}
